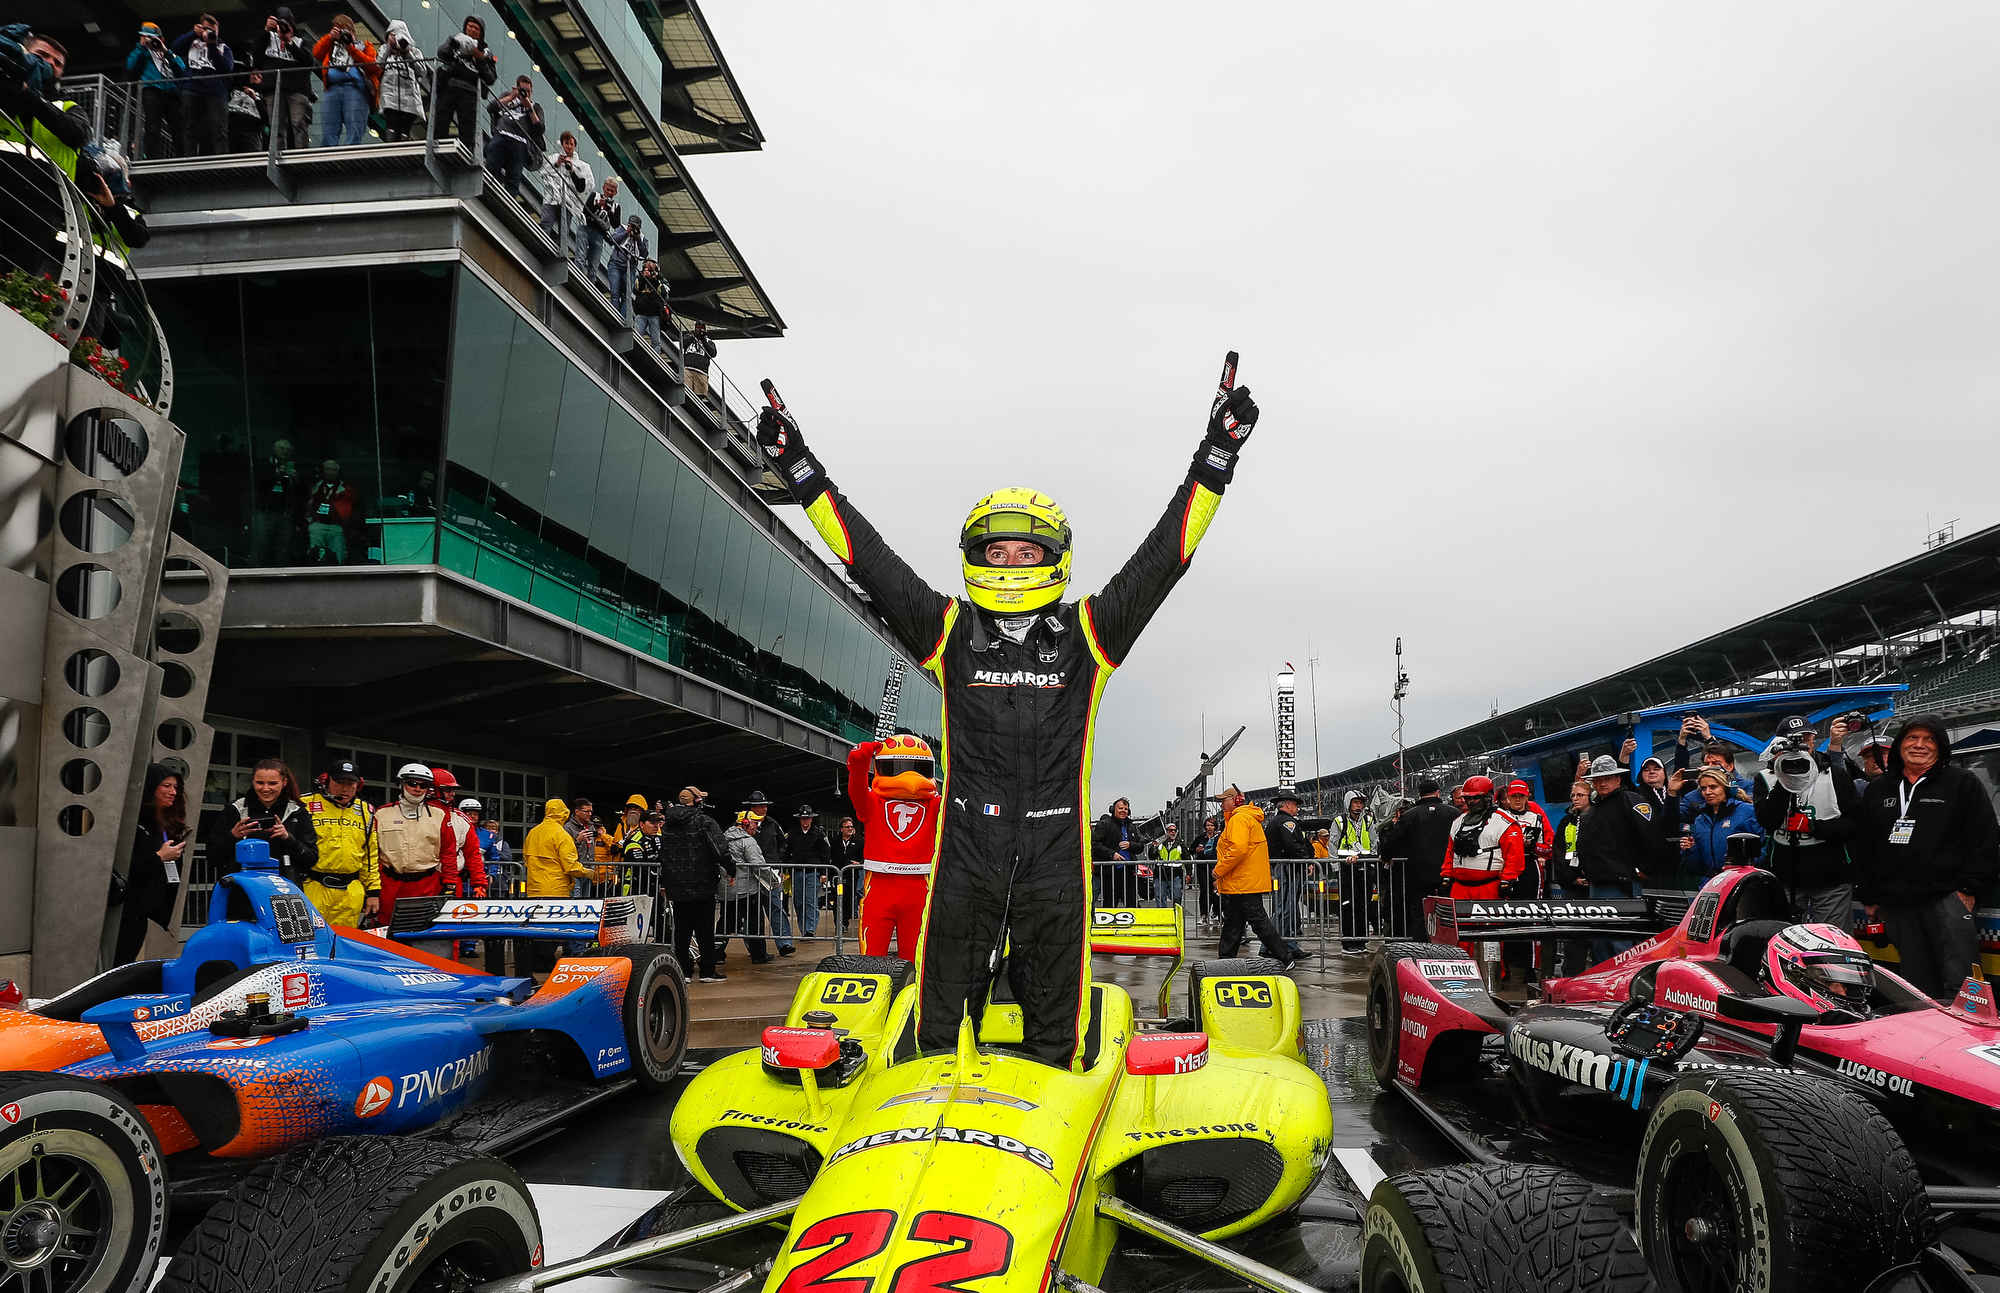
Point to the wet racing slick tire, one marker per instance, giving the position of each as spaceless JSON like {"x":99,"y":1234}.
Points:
{"x":1774,"y":1181}
{"x":655,"y":1013}
{"x":83,"y":1191}
{"x":894,"y":967}
{"x":363,"y":1214}
{"x":1385,"y":1015}
{"x":1496,"y":1228}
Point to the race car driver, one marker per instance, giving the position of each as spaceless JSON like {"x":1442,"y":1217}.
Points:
{"x":345,"y":882}
{"x":418,"y":843}
{"x":471,"y":856}
{"x":891,"y":784}
{"x":1822,"y":966}
{"x":1488,"y":850}
{"x":1022,"y":672}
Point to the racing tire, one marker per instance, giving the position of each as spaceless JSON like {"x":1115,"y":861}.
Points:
{"x":82,"y":1184}
{"x":1236,"y":967}
{"x":1496,"y":1228}
{"x":895,"y":967}
{"x":363,"y":1214}
{"x":1774,"y":1182}
{"x":1385,"y":1014}
{"x":655,"y":1013}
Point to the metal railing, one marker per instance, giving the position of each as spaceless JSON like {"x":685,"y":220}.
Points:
{"x":64,"y":267}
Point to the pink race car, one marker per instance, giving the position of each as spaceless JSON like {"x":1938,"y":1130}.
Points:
{"x":1757,"y":1064}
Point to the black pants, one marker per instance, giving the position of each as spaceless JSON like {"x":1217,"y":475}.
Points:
{"x":1936,"y":941}
{"x":159,"y":123}
{"x":694,"y":918}
{"x":207,"y":124}
{"x":744,"y":917}
{"x":1040,"y":902}
{"x":1204,"y":887}
{"x":1240,"y":909}
{"x":1355,"y":894}
{"x":246,"y":133}
{"x":457,"y":108}
{"x":131,"y":932}
{"x":398,"y":126}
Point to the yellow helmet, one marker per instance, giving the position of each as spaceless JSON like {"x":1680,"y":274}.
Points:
{"x":1026,"y":515}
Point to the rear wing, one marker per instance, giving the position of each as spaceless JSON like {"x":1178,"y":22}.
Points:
{"x":1141,"y":931}
{"x":606,"y":922}
{"x":1481,"y":920}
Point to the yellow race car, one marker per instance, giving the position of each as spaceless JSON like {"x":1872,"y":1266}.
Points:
{"x":987,"y":1166}
{"x":843,"y":1162}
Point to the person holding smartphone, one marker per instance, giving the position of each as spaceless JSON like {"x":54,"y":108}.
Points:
{"x":272,"y":812}
{"x":151,"y":884}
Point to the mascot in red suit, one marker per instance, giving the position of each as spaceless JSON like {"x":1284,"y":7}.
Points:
{"x":893,"y":784}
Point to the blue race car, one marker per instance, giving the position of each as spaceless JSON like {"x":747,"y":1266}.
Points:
{"x":272,"y":1030}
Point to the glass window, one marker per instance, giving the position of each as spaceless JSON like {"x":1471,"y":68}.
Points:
{"x":679,"y":574}
{"x":480,"y":351}
{"x":203,"y":323}
{"x":659,"y":482}
{"x":573,"y":469}
{"x":529,"y":408}
{"x":798,"y":617}
{"x":743,"y":541}
{"x":618,"y":477}
{"x":412,"y":313}
{"x":756,"y":588}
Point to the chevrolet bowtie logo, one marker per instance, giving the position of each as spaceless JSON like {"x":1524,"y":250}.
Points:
{"x":957,"y":1095}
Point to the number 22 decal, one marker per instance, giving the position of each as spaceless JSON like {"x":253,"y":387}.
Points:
{"x":980,"y":1249}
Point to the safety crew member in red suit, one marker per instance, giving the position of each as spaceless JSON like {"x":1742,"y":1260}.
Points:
{"x":894,"y":789}
{"x":1538,"y":839}
{"x":420,"y":847}
{"x":1488,"y":852}
{"x":471,"y":858}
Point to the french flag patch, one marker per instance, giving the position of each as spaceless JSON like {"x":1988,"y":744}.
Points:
{"x":990,"y":810}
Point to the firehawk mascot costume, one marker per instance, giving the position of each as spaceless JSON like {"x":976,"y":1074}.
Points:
{"x":896,"y":801}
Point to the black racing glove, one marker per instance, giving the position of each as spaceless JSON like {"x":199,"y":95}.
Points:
{"x":778,"y":433}
{"x":1231,"y":419}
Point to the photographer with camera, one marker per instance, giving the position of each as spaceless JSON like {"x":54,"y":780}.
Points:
{"x":347,"y":65}
{"x":30,"y":66}
{"x":159,"y":71}
{"x":210,"y":63}
{"x":517,"y":135}
{"x":601,"y":214}
{"x":272,"y":812}
{"x":283,"y":56}
{"x":466,"y":69}
{"x":566,"y":182}
{"x":1807,"y":809}
{"x":405,"y":83}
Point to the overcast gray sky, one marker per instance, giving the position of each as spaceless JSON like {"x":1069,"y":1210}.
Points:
{"x":1545,"y":305}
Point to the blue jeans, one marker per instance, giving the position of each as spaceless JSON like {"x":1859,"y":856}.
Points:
{"x":805,"y":884}
{"x":621,"y":294}
{"x":781,"y":923}
{"x":343,"y":115}
{"x":1170,"y":884}
{"x":1603,"y":949}
{"x":560,"y":224}
{"x":593,"y":245}
{"x":648,"y":326}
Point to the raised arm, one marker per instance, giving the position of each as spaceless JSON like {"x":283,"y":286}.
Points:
{"x":1116,"y":616}
{"x":916,"y":613}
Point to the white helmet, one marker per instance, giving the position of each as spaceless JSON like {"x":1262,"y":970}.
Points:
{"x":415,"y":772}
{"x":471,"y":806}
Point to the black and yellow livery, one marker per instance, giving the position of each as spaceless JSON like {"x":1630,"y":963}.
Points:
{"x":1020,"y":702}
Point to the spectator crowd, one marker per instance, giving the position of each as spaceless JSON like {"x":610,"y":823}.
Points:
{"x":199,"y":93}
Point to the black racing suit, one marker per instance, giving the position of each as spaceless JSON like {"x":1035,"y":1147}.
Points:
{"x":1014,"y":839}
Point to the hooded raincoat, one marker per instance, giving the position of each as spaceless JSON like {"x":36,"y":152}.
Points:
{"x":549,"y":855}
{"x":405,"y":77}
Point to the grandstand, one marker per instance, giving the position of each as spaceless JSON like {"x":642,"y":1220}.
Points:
{"x":1930,"y":623}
